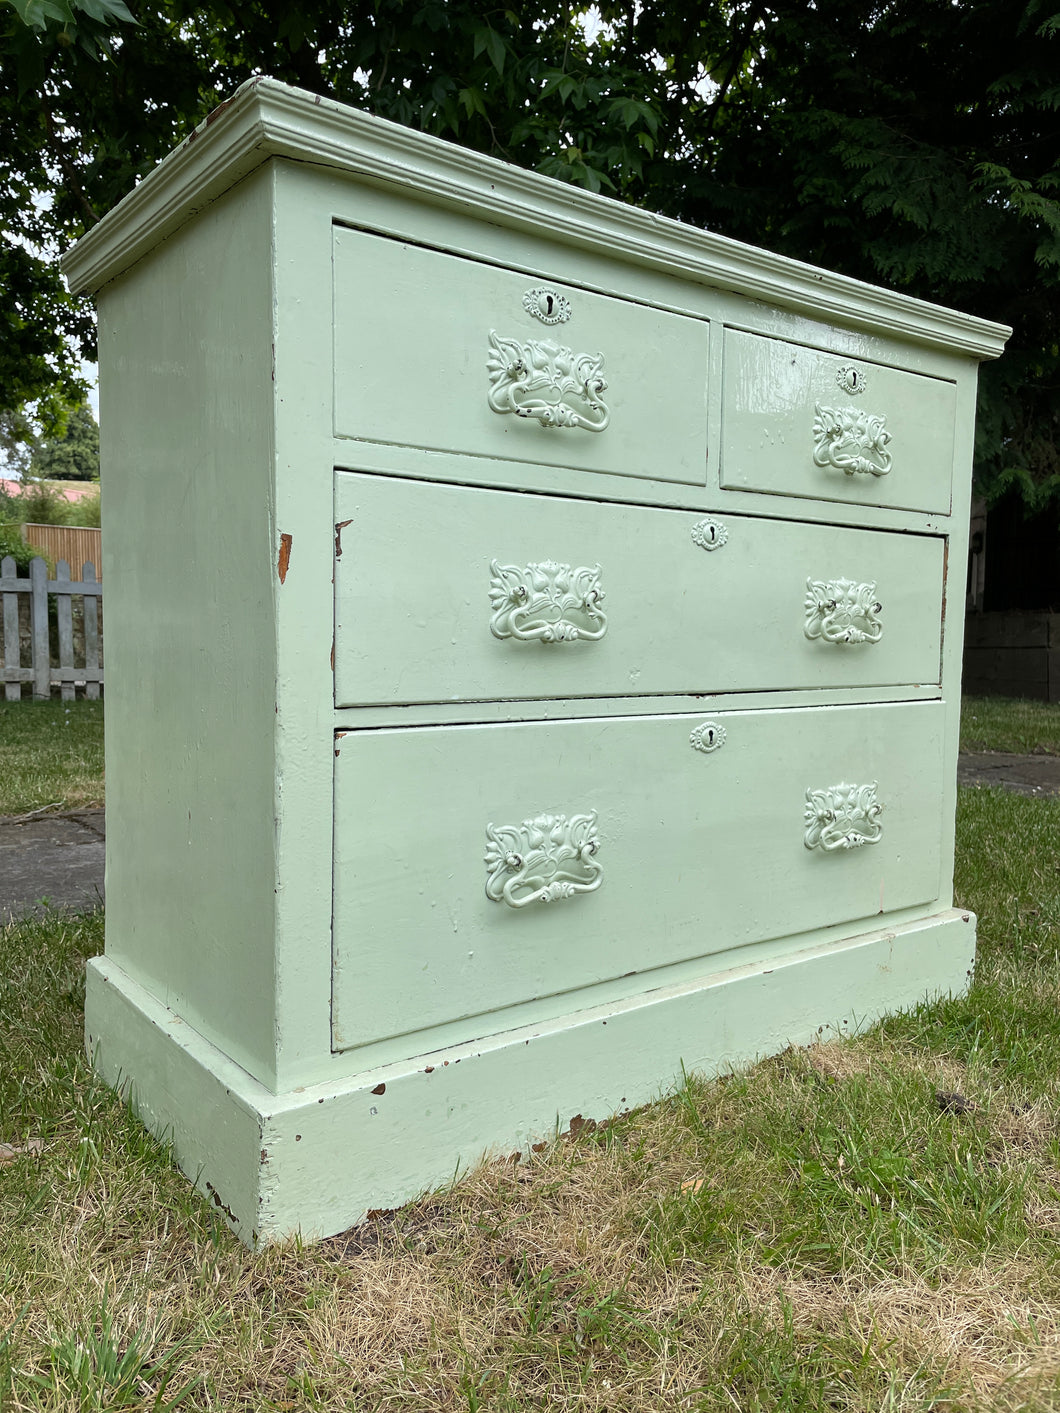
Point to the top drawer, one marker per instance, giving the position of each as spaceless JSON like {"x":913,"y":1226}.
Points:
{"x":443,"y":353}
{"x":800,"y":421}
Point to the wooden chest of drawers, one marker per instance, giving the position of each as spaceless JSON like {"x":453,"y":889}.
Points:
{"x":533,"y":655}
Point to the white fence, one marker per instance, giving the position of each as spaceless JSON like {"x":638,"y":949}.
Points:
{"x":59,"y":648}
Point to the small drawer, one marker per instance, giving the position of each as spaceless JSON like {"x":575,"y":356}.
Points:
{"x":444,"y":353}
{"x":450,"y":593}
{"x":800,"y":421}
{"x":479,"y":867}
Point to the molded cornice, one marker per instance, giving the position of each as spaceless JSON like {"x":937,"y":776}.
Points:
{"x":266,"y":119}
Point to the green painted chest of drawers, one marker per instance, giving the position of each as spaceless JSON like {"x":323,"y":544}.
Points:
{"x":533,"y":654}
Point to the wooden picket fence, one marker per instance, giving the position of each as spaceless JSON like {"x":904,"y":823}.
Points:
{"x":62,"y":649}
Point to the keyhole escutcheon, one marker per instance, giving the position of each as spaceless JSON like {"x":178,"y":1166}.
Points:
{"x":548,"y":305}
{"x":709,"y":534}
{"x":851,"y":379}
{"x":708,"y":736}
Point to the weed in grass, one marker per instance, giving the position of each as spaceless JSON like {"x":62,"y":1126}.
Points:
{"x":482,"y":1389}
{"x":603,"y":1323}
{"x":97,"y":1368}
{"x":538,"y":1295}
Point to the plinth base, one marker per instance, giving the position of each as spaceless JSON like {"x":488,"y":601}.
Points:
{"x":316,"y":1160}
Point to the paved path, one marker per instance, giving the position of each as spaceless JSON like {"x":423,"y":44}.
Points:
{"x":59,"y":857}
{"x":1027,"y":775}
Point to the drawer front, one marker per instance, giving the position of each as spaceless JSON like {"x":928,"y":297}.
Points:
{"x":440,"y":352}
{"x":799,"y":421}
{"x":653,"y":851}
{"x":429,"y":577}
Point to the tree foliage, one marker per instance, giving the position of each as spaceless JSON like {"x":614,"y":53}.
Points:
{"x":912,"y":143}
{"x":72,"y":455}
{"x":17,"y":443}
{"x":13,"y":546}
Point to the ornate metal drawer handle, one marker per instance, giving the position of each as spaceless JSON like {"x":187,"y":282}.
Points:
{"x":840,"y":611}
{"x":542,"y":860}
{"x":535,"y":604}
{"x":850,"y":440}
{"x":842,"y":817}
{"x":543,"y":380}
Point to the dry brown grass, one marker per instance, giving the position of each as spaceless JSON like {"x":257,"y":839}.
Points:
{"x":533,"y":1284}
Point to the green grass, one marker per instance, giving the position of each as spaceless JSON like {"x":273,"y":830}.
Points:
{"x":1002,"y":724}
{"x":865,"y":1225}
{"x":51,"y":754}
{"x":819,"y":1233}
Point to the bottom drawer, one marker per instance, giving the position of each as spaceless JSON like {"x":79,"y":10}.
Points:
{"x":477,"y":867}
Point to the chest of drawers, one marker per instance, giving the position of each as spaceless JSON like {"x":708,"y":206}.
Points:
{"x":533,"y":655}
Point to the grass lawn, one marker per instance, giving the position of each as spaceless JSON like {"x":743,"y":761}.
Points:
{"x":51,"y":754}
{"x":1000,"y":724}
{"x":870,"y":1224}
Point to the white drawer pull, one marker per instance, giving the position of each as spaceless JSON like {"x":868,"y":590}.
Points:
{"x":543,"y":380}
{"x":850,"y":440}
{"x":840,"y":611}
{"x":842,"y":817}
{"x":542,"y":860}
{"x":535,"y":604}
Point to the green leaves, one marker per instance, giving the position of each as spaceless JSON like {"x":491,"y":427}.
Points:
{"x":84,"y":22}
{"x":37,"y":13}
{"x":911,"y":145}
{"x":488,"y":41}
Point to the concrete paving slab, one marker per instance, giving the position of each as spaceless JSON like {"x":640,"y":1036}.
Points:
{"x":55,"y":857}
{"x":1028,"y":775}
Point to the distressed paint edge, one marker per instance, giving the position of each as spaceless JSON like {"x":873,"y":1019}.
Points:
{"x":315,"y":1161}
{"x":184,"y":1090}
{"x":265,"y":119}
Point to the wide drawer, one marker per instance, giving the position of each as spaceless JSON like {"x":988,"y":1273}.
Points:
{"x":802,"y":421}
{"x":440,"y":352}
{"x":448,"y":593}
{"x":477,"y":867}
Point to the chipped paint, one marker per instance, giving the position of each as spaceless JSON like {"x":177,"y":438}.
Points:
{"x":215,"y":1197}
{"x":338,"y":536}
{"x":285,"y":556}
